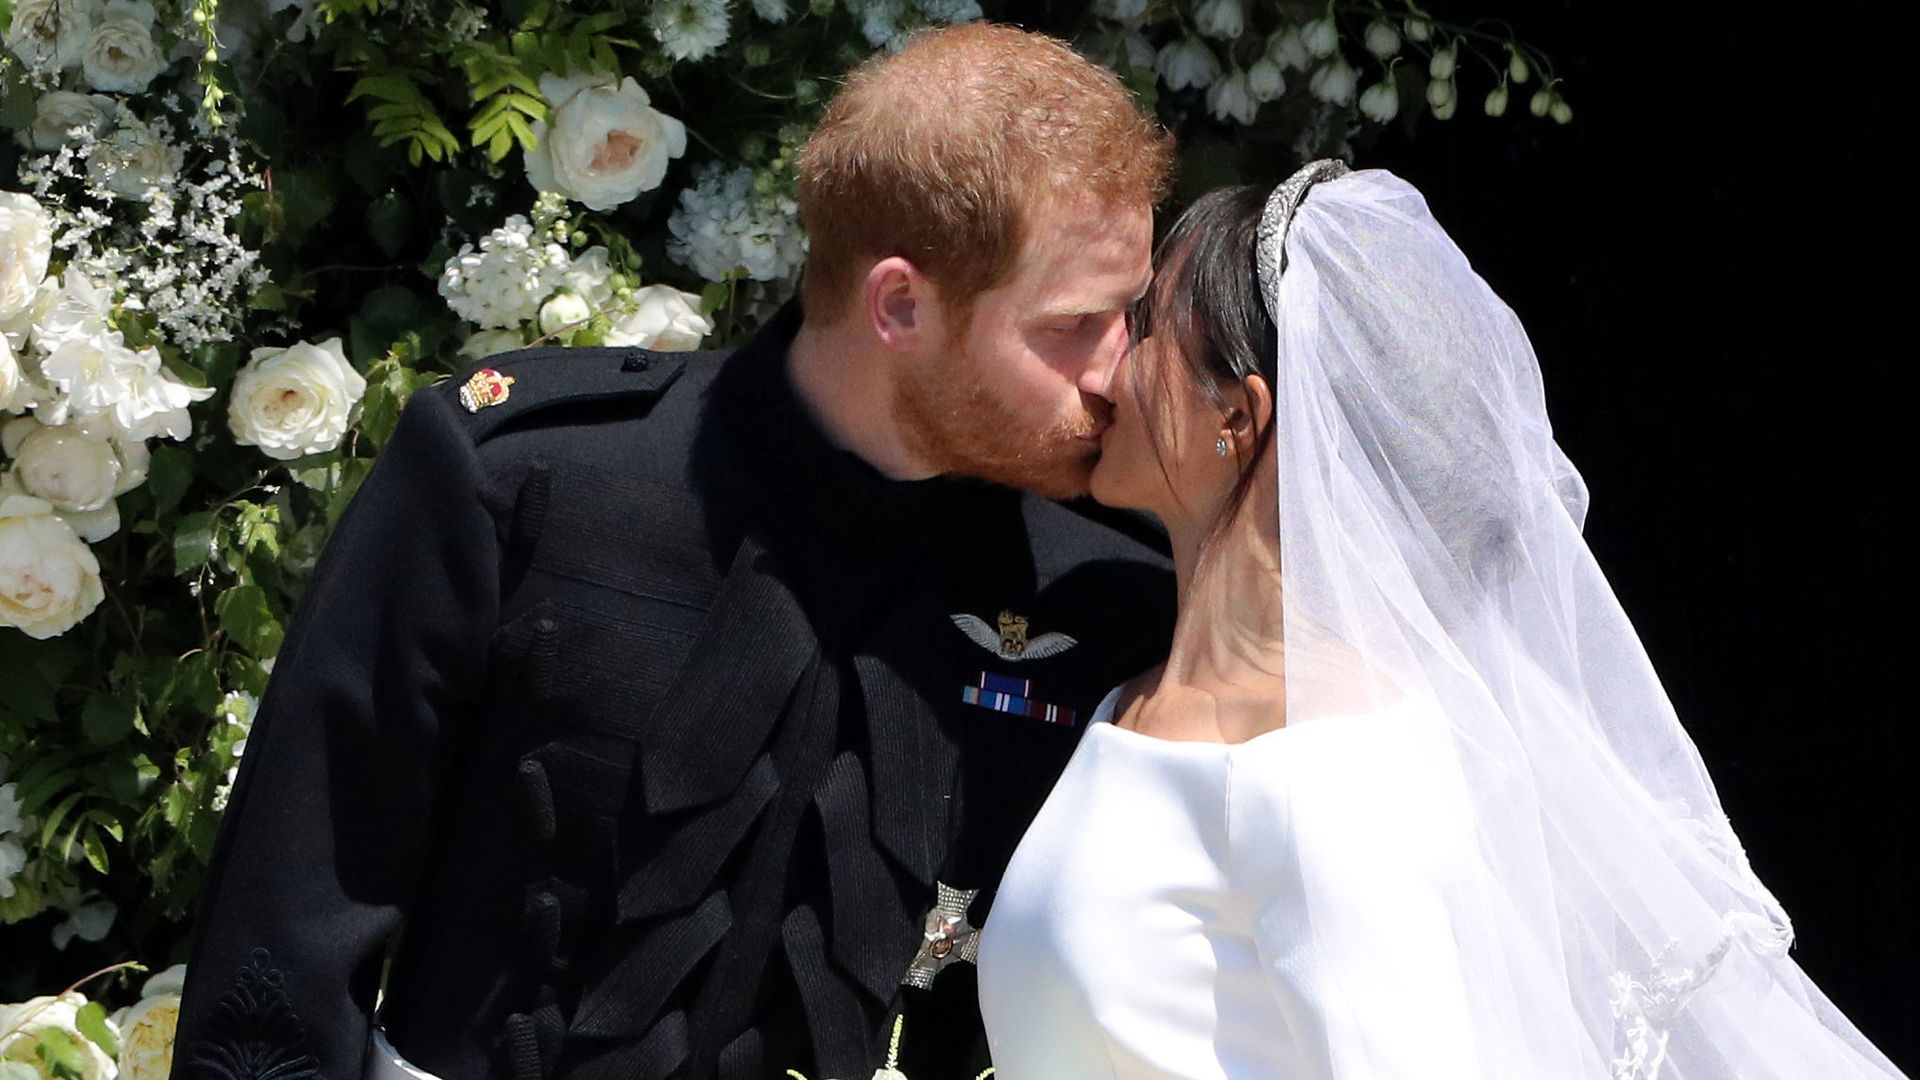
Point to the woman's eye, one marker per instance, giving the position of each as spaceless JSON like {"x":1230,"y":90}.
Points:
{"x":1067,"y":326}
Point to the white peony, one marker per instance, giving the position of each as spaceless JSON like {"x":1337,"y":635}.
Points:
{"x":294,"y":401}
{"x":58,"y":112}
{"x":1335,"y":82}
{"x":1232,"y":98}
{"x":663,"y":318}
{"x":121,"y":55}
{"x":1187,"y":63}
{"x":147,"y":1027}
{"x":1266,"y":79}
{"x":502,"y":285}
{"x":51,"y":32}
{"x":688,"y":29}
{"x":132,"y":160}
{"x":26,"y":243}
{"x":484,"y":343}
{"x":104,"y":382}
{"x":1381,"y":102}
{"x":49,"y":578}
{"x":564,"y":311}
{"x":607,"y":142}
{"x":1222,"y":20}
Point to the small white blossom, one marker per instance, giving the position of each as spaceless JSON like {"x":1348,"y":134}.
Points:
{"x":1188,"y":62}
{"x":1443,"y":62}
{"x":774,"y":11}
{"x":503,"y":283}
{"x":689,"y":29}
{"x":1266,"y":79}
{"x":725,"y":227}
{"x":1232,"y":99}
{"x":1443,"y":98}
{"x":1419,"y":29}
{"x":1381,"y":101}
{"x":1561,"y":112}
{"x":1287,"y":50}
{"x":1541,"y":102}
{"x":1321,"y":38}
{"x":1335,"y":82}
{"x":1222,"y":20}
{"x":1517,"y":68}
{"x":1383,"y":41}
{"x":1497,"y":101}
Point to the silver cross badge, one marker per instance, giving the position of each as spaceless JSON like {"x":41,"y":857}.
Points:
{"x":948,"y":937}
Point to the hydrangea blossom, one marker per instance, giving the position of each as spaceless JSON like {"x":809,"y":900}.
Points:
{"x":727,"y":226}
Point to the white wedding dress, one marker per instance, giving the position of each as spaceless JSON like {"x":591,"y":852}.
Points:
{"x":1154,"y":920}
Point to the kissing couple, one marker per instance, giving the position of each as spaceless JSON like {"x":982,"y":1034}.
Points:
{"x":794,"y":710}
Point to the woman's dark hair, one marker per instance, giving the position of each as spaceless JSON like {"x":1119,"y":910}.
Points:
{"x":1205,"y":302}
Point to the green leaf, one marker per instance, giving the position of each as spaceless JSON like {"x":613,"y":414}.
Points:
{"x":193,"y":542}
{"x":246,"y":617}
{"x":107,"y":719}
{"x":169,"y":474}
{"x":26,"y":694}
{"x":303,"y":198}
{"x":60,"y":1054}
{"x":390,"y":223}
{"x":96,"y":850}
{"x":58,"y":817}
{"x":91,"y":1021}
{"x":106,"y":823}
{"x":385,"y":314}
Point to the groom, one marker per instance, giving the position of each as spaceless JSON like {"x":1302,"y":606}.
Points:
{"x":657,"y":715}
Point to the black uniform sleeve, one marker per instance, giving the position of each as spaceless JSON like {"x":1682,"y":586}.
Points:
{"x":328,"y":832}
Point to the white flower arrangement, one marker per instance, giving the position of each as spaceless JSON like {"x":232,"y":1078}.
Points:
{"x":730,"y":224}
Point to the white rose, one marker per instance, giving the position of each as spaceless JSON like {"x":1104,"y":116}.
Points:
{"x":49,"y":578}
{"x":26,"y":243}
{"x":564,"y":311}
{"x":68,"y":469}
{"x":60,"y":111}
{"x":1232,"y":99}
{"x":147,"y":1027}
{"x":607,"y":143}
{"x":663,"y":318}
{"x":1187,"y":62}
{"x":30,"y":1021}
{"x":121,"y":55}
{"x":294,"y":401}
{"x":133,"y":159}
{"x":52,"y":32}
{"x":485,"y":343}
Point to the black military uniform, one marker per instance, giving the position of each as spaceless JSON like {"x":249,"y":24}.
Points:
{"x":669,"y":739}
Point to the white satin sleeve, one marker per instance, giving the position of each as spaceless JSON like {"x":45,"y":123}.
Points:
{"x":1350,"y":845}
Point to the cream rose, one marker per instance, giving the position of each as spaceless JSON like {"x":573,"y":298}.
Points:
{"x":131,"y":160}
{"x":58,"y":112}
{"x":26,"y":243}
{"x":663,"y":318}
{"x":70,"y":470}
{"x":147,"y":1027}
{"x":51,"y":31}
{"x":607,"y":143}
{"x":294,"y":401}
{"x":31,"y":1020}
{"x":49,"y":578}
{"x":121,"y":55}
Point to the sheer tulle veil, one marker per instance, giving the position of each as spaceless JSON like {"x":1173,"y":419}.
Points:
{"x":1606,"y":918}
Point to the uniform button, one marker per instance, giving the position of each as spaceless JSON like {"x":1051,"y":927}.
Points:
{"x":635,"y":362}
{"x":546,"y":625}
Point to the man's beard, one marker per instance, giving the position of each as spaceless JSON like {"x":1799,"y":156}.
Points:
{"x":952,"y":421}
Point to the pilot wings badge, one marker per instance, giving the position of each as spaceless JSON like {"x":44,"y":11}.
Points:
{"x":1009,"y":640}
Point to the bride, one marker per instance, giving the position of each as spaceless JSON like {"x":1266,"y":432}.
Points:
{"x":1406,"y":798}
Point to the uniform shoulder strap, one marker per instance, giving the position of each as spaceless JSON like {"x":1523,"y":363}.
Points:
{"x":500,"y":389}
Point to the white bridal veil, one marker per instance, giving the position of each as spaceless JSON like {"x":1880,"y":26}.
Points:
{"x":1605,"y":917}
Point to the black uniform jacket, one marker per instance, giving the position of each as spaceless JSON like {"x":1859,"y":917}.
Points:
{"x":633,"y":730}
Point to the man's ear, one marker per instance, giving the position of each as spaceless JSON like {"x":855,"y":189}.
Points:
{"x":901,"y":305}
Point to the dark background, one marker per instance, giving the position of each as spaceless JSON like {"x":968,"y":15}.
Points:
{"x":1705,"y":259}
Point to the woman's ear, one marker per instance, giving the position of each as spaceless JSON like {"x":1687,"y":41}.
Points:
{"x":1248,"y":416}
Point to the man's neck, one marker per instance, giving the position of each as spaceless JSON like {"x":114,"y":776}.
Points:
{"x":846,"y":387}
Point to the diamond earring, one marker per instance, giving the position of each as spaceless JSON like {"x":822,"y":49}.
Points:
{"x":1220,"y":446}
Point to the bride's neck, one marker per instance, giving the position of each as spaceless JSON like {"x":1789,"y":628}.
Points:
{"x":1229,"y":632}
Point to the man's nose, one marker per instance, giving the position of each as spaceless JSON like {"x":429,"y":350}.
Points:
{"x":1102,"y":367}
